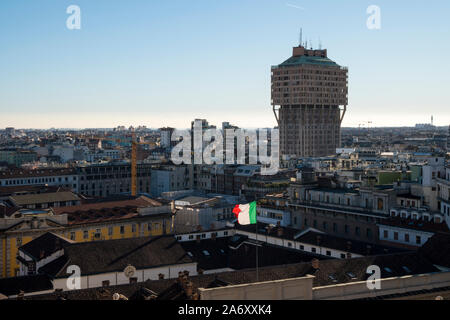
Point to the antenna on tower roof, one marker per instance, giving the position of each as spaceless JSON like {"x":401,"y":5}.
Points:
{"x":301,"y":36}
{"x":320,"y":44}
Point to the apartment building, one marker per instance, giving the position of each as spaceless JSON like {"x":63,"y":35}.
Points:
{"x":104,"y":180}
{"x":350,"y":213}
{"x":60,"y":177}
{"x":17,"y":157}
{"x":117,"y":219}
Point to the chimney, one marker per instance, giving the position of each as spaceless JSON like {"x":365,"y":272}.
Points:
{"x":315,"y":264}
{"x":349,"y":245}
{"x":180,"y":277}
{"x":21,"y":295}
{"x":280,"y":231}
{"x":188,"y":289}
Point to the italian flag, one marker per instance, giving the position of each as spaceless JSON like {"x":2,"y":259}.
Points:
{"x":245,"y":213}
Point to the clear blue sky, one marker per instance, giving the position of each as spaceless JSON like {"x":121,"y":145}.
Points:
{"x":166,"y":62}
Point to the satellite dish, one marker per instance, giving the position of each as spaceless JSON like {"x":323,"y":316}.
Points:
{"x":129,"y":271}
{"x":116,"y":296}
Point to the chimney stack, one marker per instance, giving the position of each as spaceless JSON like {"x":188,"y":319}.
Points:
{"x":349,"y":245}
{"x":315,"y":264}
{"x":188,"y":289}
{"x":280,"y":231}
{"x":21,"y":295}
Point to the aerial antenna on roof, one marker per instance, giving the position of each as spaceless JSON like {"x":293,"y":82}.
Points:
{"x":320,"y":44}
{"x":301,"y":36}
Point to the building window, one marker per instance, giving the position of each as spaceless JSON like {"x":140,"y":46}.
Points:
{"x":385,"y":234}
{"x":346,"y":228}
{"x":418,"y":240}
{"x":357,"y":231}
{"x":342,"y":255}
{"x":328,"y":253}
{"x":406,"y":237}
{"x":122,"y":229}
{"x":395,"y":235}
{"x":335,"y":228}
{"x":313,"y":250}
{"x":302,"y":247}
{"x":18,"y":242}
{"x":105,"y":283}
{"x":110,"y":231}
{"x":133,"y":228}
{"x":380,"y":204}
{"x":72,"y":236}
{"x":85,"y":234}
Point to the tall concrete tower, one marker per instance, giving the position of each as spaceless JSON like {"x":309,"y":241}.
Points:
{"x":309,"y":99}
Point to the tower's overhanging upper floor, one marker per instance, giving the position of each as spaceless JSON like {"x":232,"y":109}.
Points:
{"x":309,"y":77}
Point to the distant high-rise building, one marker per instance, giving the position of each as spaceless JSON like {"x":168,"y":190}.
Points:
{"x":308,"y":91}
{"x":448,"y":140}
{"x":166,"y":136}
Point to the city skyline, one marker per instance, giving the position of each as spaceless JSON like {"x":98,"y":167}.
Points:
{"x":164,"y":64}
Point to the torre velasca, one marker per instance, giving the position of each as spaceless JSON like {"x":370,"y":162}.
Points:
{"x":309,"y":99}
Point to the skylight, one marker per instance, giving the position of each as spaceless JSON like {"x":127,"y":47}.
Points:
{"x":406,"y":269}
{"x":332,"y":277}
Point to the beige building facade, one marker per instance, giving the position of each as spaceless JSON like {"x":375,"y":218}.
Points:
{"x":308,"y":91}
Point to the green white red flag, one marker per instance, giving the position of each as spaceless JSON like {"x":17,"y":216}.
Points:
{"x":245,"y":213}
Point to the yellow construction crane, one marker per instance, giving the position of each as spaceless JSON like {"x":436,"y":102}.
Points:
{"x":134,"y":144}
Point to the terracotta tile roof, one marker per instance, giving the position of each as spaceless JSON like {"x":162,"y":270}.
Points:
{"x":136,"y":203}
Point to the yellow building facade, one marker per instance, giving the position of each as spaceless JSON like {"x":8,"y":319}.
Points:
{"x":31,"y":227}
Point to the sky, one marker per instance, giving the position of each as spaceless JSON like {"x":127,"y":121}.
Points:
{"x":166,"y":62}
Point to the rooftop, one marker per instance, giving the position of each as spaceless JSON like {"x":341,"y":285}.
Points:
{"x":307,"y":60}
{"x":29,"y":199}
{"x":114,"y":255}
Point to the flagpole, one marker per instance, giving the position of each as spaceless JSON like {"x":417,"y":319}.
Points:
{"x":257,"y":267}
